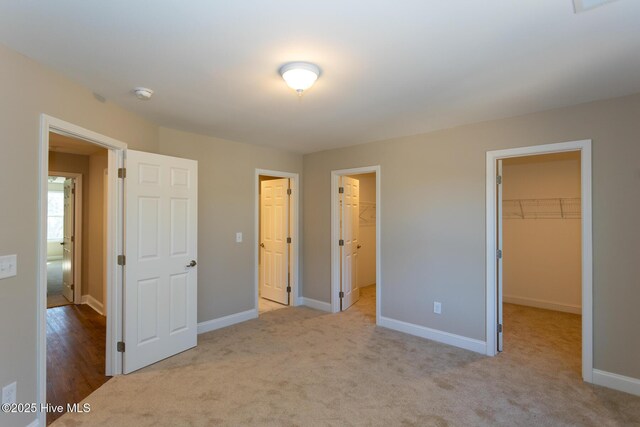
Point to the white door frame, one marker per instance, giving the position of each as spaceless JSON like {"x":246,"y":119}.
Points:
{"x":295,"y":231}
{"x":77,"y":233}
{"x":114,"y":244}
{"x":335,"y":235}
{"x":584,"y":147}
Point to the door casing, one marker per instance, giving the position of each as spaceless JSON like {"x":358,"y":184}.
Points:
{"x":584,"y":147}
{"x":295,"y":232}
{"x":114,"y":246}
{"x":335,"y":235}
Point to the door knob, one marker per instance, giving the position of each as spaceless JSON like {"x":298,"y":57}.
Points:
{"x":193,"y":263}
{"x":62,"y":243}
{"x":359,"y":246}
{"x":262,"y":245}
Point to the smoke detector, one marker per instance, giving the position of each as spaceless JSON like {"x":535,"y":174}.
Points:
{"x":142,"y":93}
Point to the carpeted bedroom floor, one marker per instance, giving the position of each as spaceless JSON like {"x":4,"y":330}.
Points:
{"x":302,"y":367}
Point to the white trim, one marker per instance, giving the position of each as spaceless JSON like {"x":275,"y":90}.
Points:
{"x":77,"y":233}
{"x":434,"y":335}
{"x":223,"y":322}
{"x":538,"y":303}
{"x":616,"y":382}
{"x":34,"y":423}
{"x":113,"y":363}
{"x":315,"y":304}
{"x":295,"y":231}
{"x":93,"y":303}
{"x":335,"y":235}
{"x":584,"y":147}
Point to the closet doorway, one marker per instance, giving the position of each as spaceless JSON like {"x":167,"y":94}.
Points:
{"x":539,"y":260}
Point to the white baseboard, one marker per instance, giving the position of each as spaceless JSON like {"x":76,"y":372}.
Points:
{"x":616,"y":382}
{"x":93,"y":303}
{"x":548,"y":305}
{"x":223,"y":322}
{"x":314,"y":303}
{"x":434,"y":334}
{"x":34,"y":423}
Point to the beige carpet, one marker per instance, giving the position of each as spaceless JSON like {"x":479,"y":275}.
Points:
{"x":301,"y":367}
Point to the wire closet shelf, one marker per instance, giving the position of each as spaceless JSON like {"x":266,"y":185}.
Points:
{"x":559,"y":208}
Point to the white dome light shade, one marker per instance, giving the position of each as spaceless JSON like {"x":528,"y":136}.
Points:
{"x":300,"y":76}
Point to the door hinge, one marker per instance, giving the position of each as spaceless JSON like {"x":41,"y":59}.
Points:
{"x":288,"y":239}
{"x":73,"y":190}
{"x":72,"y":287}
{"x":122,"y":172}
{"x":499,"y":254}
{"x":340,"y":190}
{"x":120,"y":347}
{"x":341,"y":294}
{"x":289,"y":191}
{"x":73,"y":239}
{"x":122,"y":260}
{"x":289,"y":289}
{"x":340,"y":242}
{"x":499,"y":179}
{"x":500,"y":328}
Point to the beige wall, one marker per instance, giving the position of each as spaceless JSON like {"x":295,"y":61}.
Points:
{"x":96,"y":246}
{"x":226,"y":205}
{"x":433,"y":220}
{"x":542,"y":257}
{"x":367,"y":231}
{"x":28,"y":89}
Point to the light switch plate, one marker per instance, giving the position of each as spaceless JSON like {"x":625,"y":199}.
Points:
{"x":238,"y":237}
{"x":8,"y":266}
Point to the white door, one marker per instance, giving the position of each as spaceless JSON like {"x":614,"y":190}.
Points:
{"x":274,"y":231}
{"x":349,"y":219}
{"x":499,"y":255}
{"x":160,"y":290}
{"x":68,"y":240}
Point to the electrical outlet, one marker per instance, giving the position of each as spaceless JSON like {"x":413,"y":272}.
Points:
{"x":238,"y":237}
{"x":437,"y":307}
{"x":9,"y":393}
{"x":8,"y":266}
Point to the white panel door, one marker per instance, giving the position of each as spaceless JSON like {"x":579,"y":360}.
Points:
{"x":160,"y":290}
{"x":68,"y":240}
{"x":499,"y":256}
{"x":350,"y":215}
{"x":274,"y":230}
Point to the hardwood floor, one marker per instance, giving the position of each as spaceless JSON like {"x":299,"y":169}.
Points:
{"x":76,"y":337}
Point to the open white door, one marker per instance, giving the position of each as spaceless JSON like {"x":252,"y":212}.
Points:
{"x":274,"y":231}
{"x":499,"y":254}
{"x":68,"y":240}
{"x":349,"y":229}
{"x":160,"y":290}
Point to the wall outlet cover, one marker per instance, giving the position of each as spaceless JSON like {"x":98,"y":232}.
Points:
{"x":9,"y":393}
{"x":437,"y":307}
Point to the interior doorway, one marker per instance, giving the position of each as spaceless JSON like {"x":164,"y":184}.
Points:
{"x":539,"y":262}
{"x":355,"y":245}
{"x":81,"y":336}
{"x":64,"y":238}
{"x":276,"y":240}
{"x":76,"y":318}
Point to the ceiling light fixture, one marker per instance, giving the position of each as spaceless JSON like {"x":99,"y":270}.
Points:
{"x":142,"y":93}
{"x":300,"y":76}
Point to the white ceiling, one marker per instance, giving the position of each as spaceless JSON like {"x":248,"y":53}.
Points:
{"x":389,"y":67}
